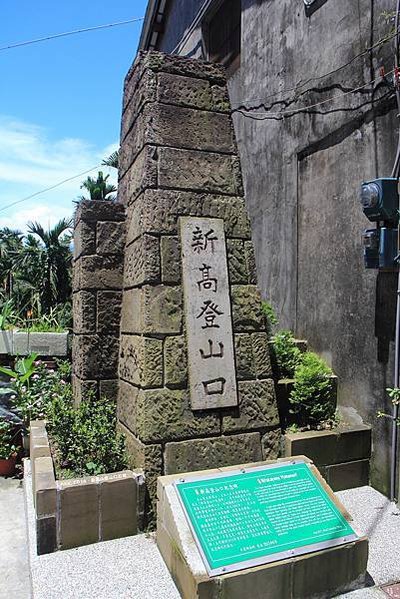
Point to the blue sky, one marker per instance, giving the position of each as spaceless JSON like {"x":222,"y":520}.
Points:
{"x":60,"y":100}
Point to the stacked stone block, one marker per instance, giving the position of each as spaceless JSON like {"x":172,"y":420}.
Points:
{"x":99,"y":240}
{"x":179,"y":158}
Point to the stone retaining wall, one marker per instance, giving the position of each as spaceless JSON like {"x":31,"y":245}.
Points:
{"x":75,"y":512}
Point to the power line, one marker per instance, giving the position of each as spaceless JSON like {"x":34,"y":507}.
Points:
{"x":281,"y":114}
{"x":254,"y":116}
{"x":239,"y":104}
{"x":74,"y":32}
{"x":37,"y":193}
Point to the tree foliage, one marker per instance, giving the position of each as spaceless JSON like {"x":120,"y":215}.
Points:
{"x":35,"y":269}
{"x":112,"y":160}
{"x":99,"y":189}
{"x":312,"y":396}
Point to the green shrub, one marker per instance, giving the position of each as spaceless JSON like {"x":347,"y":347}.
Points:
{"x":85,"y":437}
{"x":35,"y":387}
{"x":58,"y":320}
{"x":20,"y":379}
{"x":269,"y":314}
{"x":287,"y":354}
{"x":7,"y":437}
{"x":311,"y":398}
{"x":7,"y":315}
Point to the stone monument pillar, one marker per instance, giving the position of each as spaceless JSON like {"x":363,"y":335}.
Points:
{"x":195,"y":387}
{"x":99,"y":239}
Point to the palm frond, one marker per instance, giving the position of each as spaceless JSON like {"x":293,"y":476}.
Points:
{"x":112,"y":160}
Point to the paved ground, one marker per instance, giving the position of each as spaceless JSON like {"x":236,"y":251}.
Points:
{"x":378,"y":519}
{"x":133,"y":567}
{"x":130,"y":568}
{"x":14,"y":568}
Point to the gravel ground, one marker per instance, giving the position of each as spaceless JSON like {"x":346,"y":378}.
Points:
{"x":373,"y":593}
{"x":379,"y":519}
{"x":124,"y":568}
{"x":133,"y":567}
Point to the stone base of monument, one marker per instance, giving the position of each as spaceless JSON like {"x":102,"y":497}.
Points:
{"x":188,"y":506}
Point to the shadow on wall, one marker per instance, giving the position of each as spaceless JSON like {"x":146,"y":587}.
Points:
{"x":310,"y":8}
{"x":385,"y":313}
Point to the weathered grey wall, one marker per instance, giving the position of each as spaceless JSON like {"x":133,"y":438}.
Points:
{"x":302,"y":176}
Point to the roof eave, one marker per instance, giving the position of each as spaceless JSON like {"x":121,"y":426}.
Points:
{"x":152,"y":13}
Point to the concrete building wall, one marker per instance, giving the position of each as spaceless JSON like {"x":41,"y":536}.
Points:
{"x":302,"y":175}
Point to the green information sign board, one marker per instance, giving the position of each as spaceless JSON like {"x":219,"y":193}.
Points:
{"x":263,"y":514}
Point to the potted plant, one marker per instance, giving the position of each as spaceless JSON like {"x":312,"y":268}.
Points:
{"x":8,"y":450}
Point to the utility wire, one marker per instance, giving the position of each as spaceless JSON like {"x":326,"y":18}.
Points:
{"x":281,"y":114}
{"x":74,"y":32}
{"x":381,"y":42}
{"x":37,"y":193}
{"x":257,"y":117}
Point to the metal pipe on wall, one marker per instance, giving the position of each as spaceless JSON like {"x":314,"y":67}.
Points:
{"x":393,"y":465}
{"x":396,"y":172}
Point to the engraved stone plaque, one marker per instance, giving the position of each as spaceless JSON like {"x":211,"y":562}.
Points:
{"x":209,"y":332}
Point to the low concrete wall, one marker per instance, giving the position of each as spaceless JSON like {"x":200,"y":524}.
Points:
{"x":81,"y":511}
{"x":22,"y":343}
{"x":341,"y":455}
{"x":6,"y":342}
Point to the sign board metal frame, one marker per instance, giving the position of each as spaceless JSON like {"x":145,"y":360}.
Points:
{"x":349,"y":534}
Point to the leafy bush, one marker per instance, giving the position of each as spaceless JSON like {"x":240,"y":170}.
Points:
{"x":7,"y":445}
{"x":269,"y":314}
{"x":311,"y":397}
{"x":287,"y":354}
{"x":85,"y":437}
{"x":7,"y":315}
{"x":58,"y":320}
{"x":20,"y":378}
{"x":46,"y":386}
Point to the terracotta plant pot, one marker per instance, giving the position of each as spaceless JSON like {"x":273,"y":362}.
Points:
{"x":7,"y":467}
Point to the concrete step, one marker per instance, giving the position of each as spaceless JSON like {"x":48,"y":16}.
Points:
{"x":302,"y":344}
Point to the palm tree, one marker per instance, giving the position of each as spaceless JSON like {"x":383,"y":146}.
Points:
{"x":48,"y":259}
{"x":112,"y":160}
{"x":28,"y":266}
{"x":99,"y":189}
{"x":10,"y":246}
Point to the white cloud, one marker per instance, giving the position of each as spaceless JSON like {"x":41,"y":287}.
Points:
{"x":46,"y":215}
{"x":31,"y":161}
